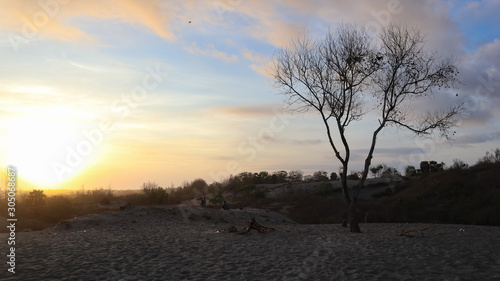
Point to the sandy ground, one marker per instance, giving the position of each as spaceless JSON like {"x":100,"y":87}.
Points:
{"x":191,"y":243}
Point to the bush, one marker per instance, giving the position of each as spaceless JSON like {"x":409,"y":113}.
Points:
{"x":259,"y":194}
{"x":96,"y":196}
{"x":410,"y":171}
{"x":353,"y":176}
{"x":459,"y":165}
{"x":295,"y":176}
{"x":154,"y":194}
{"x":198,"y":187}
{"x":386,"y":192}
{"x":325,"y":189}
{"x":57,"y":208}
{"x":35,"y":202}
{"x":216,"y":198}
{"x":320,"y":176}
{"x":136,"y":199}
{"x":490,"y":157}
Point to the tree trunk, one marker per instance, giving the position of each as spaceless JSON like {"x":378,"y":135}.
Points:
{"x":353,"y":218}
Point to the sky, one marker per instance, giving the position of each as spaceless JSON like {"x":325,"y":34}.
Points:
{"x":121,"y":92}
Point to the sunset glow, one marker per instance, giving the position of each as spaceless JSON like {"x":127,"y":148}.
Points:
{"x":117,"y":93}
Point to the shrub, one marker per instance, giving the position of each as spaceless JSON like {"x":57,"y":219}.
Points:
{"x":154,"y":194}
{"x":217,"y":197}
{"x":410,"y":171}
{"x":320,"y":176}
{"x":295,"y":175}
{"x":57,"y":208}
{"x":325,"y":189}
{"x":259,"y":194}
{"x":459,"y":165}
{"x":198,"y":187}
{"x":353,"y":176}
{"x":490,"y":157}
{"x":386,"y":192}
{"x":96,"y":196}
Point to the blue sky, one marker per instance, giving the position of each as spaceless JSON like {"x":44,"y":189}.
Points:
{"x":117,"y":93}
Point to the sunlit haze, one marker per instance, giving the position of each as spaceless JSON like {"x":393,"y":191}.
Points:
{"x":118,"y":93}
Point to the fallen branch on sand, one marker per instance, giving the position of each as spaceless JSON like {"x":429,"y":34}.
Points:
{"x":253,"y":224}
{"x":407,"y":233}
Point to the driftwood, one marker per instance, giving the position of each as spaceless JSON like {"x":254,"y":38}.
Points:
{"x":407,"y":233}
{"x":125,"y":206}
{"x":65,"y":223}
{"x":253,"y":224}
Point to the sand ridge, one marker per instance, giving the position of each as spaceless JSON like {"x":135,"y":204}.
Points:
{"x":191,"y":243}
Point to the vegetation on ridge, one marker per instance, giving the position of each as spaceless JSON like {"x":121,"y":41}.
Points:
{"x":458,"y":194}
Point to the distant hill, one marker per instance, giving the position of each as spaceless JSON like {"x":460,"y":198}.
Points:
{"x":462,"y":196}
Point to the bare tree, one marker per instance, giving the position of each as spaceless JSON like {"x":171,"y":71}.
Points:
{"x":339,"y":75}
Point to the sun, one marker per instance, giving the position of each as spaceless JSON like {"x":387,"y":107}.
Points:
{"x":34,"y":145}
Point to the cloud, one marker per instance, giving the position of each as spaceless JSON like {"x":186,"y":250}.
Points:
{"x":486,"y":57}
{"x":289,"y":141}
{"x":303,"y":142}
{"x":395,"y":151}
{"x":253,"y":56}
{"x":384,"y":152}
{"x":263,"y":69}
{"x":273,"y":22}
{"x":276,"y":33}
{"x":262,"y":64}
{"x":480,"y":9}
{"x":211,"y":51}
{"x":247,"y":111}
{"x":279,"y":22}
{"x":475,"y":138}
{"x":480,"y":77}
{"x":56,"y":19}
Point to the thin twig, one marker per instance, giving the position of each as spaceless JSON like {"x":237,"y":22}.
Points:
{"x":407,"y":232}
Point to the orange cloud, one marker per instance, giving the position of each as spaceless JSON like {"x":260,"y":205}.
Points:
{"x":253,"y":56}
{"x":263,"y":69}
{"x":247,"y":111}
{"x":211,"y":51}
{"x":53,"y":18}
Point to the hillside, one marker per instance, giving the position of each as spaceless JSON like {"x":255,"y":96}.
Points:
{"x":469,"y":196}
{"x":461,"y":196}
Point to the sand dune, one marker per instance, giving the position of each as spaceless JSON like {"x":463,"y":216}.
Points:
{"x":191,"y":243}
